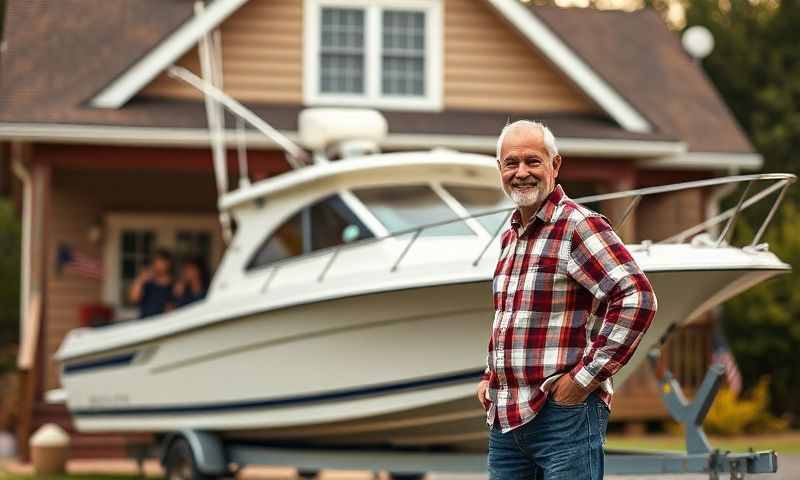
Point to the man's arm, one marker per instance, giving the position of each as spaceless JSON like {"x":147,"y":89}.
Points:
{"x":600,"y":262}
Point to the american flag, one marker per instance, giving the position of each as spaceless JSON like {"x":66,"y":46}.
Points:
{"x":722,"y":354}
{"x":70,"y":260}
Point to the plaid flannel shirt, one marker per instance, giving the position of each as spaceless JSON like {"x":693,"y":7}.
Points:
{"x":568,"y":298}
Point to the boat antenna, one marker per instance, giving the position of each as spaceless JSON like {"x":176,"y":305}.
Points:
{"x":295,"y":155}
{"x":210,"y":51}
{"x":241,"y":149}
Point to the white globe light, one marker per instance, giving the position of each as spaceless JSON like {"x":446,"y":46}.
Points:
{"x":698,"y":41}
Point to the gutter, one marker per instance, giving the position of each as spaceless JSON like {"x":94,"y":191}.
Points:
{"x":198,"y":137}
{"x":648,"y":154}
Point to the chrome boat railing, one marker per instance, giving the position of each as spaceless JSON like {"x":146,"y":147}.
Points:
{"x":778,"y":182}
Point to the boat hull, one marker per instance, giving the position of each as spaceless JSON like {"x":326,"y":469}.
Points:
{"x":395,"y":368}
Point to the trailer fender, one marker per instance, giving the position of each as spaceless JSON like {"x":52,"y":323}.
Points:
{"x":207,"y":449}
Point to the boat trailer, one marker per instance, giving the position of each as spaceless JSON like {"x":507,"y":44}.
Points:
{"x":201,"y":455}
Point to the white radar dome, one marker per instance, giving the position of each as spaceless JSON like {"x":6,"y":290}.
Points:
{"x":322,"y":127}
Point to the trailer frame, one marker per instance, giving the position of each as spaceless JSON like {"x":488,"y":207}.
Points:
{"x":212,"y":457}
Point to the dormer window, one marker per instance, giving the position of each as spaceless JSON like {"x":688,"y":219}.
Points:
{"x":377,"y":53}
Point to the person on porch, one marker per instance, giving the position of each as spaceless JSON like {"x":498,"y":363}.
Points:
{"x":192,"y":284}
{"x":152,"y":290}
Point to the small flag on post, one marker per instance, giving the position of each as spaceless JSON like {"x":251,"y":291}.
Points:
{"x":70,"y":260}
{"x":722,"y":354}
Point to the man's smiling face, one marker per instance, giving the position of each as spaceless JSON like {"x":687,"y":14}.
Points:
{"x":527,"y":172}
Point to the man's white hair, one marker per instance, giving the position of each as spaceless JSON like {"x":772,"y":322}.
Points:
{"x":547,"y":135}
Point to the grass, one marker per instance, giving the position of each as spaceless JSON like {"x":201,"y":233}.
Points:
{"x":786,"y":443}
{"x":4,"y":475}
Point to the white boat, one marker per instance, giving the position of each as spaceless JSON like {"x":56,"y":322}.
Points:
{"x":375,"y":335}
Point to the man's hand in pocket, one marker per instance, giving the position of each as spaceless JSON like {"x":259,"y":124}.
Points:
{"x":567,"y":392}
{"x":482,"y":387}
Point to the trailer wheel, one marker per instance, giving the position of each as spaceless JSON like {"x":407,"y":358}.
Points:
{"x":180,"y":463}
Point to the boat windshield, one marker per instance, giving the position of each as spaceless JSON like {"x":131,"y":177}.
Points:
{"x":327,"y":223}
{"x":477,"y":200}
{"x":401,"y":208}
{"x":331,"y":221}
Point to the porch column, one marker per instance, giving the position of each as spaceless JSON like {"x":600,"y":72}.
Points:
{"x":36,"y":178}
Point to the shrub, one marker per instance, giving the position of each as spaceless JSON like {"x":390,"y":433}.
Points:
{"x":730,"y":415}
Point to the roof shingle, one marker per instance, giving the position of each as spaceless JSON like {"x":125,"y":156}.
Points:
{"x":644,"y":61}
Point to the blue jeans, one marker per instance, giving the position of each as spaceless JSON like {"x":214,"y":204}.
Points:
{"x":560,"y":443}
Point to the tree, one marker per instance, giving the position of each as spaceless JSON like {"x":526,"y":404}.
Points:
{"x":755,"y":66}
{"x":9,"y":273}
{"x":762,"y":324}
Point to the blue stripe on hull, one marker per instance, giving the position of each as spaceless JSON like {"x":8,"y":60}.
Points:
{"x":461,"y":377}
{"x":106,"y":362}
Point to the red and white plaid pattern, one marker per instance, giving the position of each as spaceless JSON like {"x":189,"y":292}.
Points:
{"x":568,"y":297}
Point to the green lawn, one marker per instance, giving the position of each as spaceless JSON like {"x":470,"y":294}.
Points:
{"x":8,"y":476}
{"x":788,"y":443}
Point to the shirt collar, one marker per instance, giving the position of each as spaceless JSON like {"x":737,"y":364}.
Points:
{"x":546,"y":212}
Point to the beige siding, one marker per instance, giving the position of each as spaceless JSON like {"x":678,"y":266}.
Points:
{"x":71,"y":216}
{"x":263,"y":56}
{"x":487,"y":64}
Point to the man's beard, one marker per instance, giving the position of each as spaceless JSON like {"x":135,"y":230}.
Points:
{"x":524,"y":199}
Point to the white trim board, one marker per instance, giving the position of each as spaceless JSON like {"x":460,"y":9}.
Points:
{"x":118,"y":92}
{"x":198,"y":137}
{"x":651,"y":154}
{"x":704,"y":160}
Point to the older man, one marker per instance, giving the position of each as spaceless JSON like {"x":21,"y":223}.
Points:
{"x":571,"y":305}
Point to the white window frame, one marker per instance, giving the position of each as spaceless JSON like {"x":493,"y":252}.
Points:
{"x":434,"y":32}
{"x":165,"y":226}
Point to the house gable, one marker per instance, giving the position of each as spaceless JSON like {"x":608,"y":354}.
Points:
{"x":487,"y":65}
{"x":263,"y":56}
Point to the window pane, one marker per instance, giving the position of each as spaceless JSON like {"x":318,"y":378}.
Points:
{"x":342,"y":51}
{"x":403,"y":53}
{"x":287,"y":241}
{"x":480,"y":199}
{"x":136,"y":251}
{"x":403,"y":208}
{"x":332,"y":223}
{"x":193,"y":243}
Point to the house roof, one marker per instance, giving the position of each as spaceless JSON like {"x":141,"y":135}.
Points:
{"x":45,"y":78}
{"x":637,"y":54}
{"x":57,"y":55}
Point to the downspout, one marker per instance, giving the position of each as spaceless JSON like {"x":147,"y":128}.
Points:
{"x":24,"y":176}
